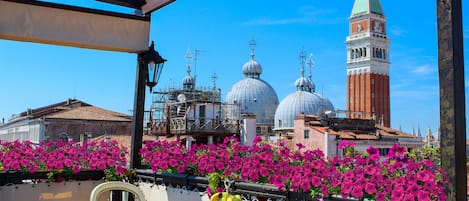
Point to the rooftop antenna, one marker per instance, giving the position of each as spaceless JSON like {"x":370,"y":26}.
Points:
{"x":196,"y":56}
{"x":214,"y":79}
{"x":252,"y":45}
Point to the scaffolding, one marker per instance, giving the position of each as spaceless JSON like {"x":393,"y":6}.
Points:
{"x":199,"y":113}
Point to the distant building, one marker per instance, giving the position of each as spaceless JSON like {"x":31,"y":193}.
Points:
{"x":68,"y":120}
{"x":368,"y":63}
{"x":192,"y":114}
{"x":326,"y":133}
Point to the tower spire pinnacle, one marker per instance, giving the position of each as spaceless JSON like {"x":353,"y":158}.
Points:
{"x":188,"y":58}
{"x":302,"y":57}
{"x":252,"y":45}
{"x":310,"y":65}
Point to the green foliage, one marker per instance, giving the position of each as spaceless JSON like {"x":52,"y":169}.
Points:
{"x":427,"y":152}
{"x":214,"y":180}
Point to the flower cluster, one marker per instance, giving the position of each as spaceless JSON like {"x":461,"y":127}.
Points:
{"x":63,"y":157}
{"x":357,"y":175}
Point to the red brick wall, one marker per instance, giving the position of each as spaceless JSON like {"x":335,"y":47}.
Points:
{"x":360,"y":90}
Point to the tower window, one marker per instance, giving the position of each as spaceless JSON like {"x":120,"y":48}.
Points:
{"x":350,"y":99}
{"x":364,"y":51}
{"x":372,"y":95}
{"x":372,"y":81}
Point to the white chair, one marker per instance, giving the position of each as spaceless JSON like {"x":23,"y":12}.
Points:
{"x":116,"y":185}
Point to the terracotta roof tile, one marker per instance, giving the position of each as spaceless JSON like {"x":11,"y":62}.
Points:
{"x":89,"y":113}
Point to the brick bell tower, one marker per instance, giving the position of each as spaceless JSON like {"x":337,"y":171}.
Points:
{"x":368,"y":63}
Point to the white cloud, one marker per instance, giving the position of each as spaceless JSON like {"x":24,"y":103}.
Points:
{"x":423,"y":70}
{"x":305,"y":15}
{"x":397,"y":31}
{"x":267,"y":21}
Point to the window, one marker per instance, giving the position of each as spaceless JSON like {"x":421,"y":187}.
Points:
{"x":202,"y":111}
{"x":372,"y":81}
{"x":258,"y":130}
{"x":63,"y":137}
{"x":306,"y":134}
{"x":372,"y":95}
{"x":383,"y":151}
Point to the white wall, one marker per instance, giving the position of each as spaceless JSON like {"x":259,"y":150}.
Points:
{"x":248,"y":131}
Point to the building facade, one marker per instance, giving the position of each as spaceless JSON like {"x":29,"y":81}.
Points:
{"x":68,"y":120}
{"x":326,"y":134}
{"x":368,"y":63}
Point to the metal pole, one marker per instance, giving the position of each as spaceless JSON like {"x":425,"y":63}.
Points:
{"x":137,"y":118}
{"x":452,"y":100}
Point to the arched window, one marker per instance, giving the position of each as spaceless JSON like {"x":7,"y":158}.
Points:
{"x":384,"y":54}
{"x":258,"y":130}
{"x":63,"y":137}
{"x":269,"y":130}
{"x":352,"y":54}
{"x":364,"y":51}
{"x":374,"y":53}
{"x":361,"y":52}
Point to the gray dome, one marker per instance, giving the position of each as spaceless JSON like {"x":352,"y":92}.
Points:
{"x":304,"y":84}
{"x":300,"y":102}
{"x":256,"y":97}
{"x":188,"y":82}
{"x":252,"y":68}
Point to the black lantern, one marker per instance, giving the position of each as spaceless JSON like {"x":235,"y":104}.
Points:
{"x":154,"y":63}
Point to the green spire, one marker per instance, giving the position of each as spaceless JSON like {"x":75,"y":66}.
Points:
{"x":367,"y":6}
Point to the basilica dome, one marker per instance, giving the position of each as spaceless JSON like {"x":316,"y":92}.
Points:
{"x":303,"y":100}
{"x":188,"y":82}
{"x":254,"y":95}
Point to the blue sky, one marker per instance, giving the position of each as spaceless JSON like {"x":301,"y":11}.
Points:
{"x":35,"y":75}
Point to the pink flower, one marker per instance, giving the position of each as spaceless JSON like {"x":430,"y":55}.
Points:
{"x":357,"y":191}
{"x":370,"y":188}
{"x":256,"y":140}
{"x":305,"y":185}
{"x":345,"y":143}
{"x":423,"y":195}
{"x":300,"y":146}
{"x":76,"y":169}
